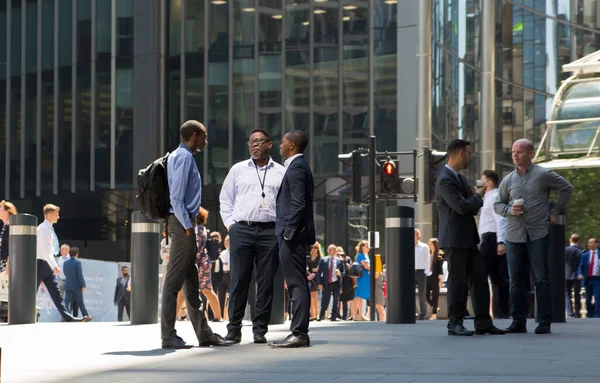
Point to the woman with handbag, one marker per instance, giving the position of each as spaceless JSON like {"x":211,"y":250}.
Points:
{"x":312,"y":262}
{"x":363,"y":289}
{"x":348,"y":284}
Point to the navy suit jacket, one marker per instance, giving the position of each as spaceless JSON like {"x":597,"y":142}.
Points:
{"x":323,"y":271}
{"x":74,"y":275}
{"x":584,"y":265}
{"x":121,"y":292}
{"x":572,"y":261}
{"x":456,"y":205}
{"x":295,"y":218}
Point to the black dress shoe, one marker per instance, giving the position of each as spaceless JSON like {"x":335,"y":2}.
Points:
{"x":516,"y":328}
{"x":259,"y":338}
{"x":492,"y":330}
{"x":175,"y":343}
{"x":216,"y":340}
{"x":235,"y":337}
{"x":543,"y":328}
{"x":291,"y":341}
{"x":460,"y":330}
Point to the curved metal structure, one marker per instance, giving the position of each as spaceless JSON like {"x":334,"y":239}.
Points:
{"x":571,"y":139}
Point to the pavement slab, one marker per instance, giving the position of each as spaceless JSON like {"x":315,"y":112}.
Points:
{"x":340,"y":351}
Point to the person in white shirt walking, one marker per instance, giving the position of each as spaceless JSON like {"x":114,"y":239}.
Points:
{"x":47,"y":247}
{"x":422,"y":271}
{"x":248,"y":201}
{"x":492,"y":231}
{"x":64,"y":256}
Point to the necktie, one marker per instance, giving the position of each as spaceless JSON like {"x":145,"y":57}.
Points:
{"x":592,"y":264}
{"x":331,"y":271}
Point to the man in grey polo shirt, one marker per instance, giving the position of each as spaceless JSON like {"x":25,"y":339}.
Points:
{"x":527,"y":231}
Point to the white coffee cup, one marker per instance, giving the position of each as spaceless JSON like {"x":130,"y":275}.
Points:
{"x":519,"y":202}
{"x":480,"y":184}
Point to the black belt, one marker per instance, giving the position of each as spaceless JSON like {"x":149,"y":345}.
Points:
{"x":252,"y":223}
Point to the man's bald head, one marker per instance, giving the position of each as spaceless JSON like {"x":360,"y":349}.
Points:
{"x":193,"y":134}
{"x":522,"y":153}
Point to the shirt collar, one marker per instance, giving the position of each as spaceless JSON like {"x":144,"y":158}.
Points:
{"x":48,"y":222}
{"x":526,"y":170}
{"x":270,"y":164}
{"x":287,"y":162}
{"x":184,"y":146}
{"x":454,"y":171}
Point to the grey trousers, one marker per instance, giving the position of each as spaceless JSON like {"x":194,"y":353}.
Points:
{"x":181,"y":271}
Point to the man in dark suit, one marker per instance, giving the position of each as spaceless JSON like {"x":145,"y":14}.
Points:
{"x":458,"y":236}
{"x":75,"y":283}
{"x":295,"y":229}
{"x":329,"y":279}
{"x":572,"y":260}
{"x":123,"y":294}
{"x":589,"y":273}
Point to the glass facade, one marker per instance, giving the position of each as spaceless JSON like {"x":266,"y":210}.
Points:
{"x":534,"y":38}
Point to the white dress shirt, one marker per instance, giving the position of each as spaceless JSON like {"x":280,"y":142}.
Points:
{"x":241,"y":195}
{"x":422,"y":258}
{"x":165,"y":248}
{"x":594,"y":257}
{"x":489,"y":221}
{"x":332,"y":270}
{"x":225,"y":258}
{"x":46,"y":245}
{"x":61,"y":262}
{"x":287,"y":162}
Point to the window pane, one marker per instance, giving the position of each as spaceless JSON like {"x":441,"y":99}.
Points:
{"x":3,"y":125}
{"x":84,"y":93}
{"x":47,"y":132}
{"x":65,"y":100}
{"x":103,"y":101}
{"x":48,"y":34}
{"x":173,"y":76}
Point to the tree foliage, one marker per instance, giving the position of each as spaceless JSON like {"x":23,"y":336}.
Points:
{"x":583,"y":211}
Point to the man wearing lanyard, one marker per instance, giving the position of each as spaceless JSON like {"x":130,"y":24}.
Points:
{"x":248,"y":210}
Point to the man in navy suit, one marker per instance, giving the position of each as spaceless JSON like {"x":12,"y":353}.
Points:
{"x":589,"y":272}
{"x":123,"y":294}
{"x":457,"y":205}
{"x":329,"y":279}
{"x":75,"y":283}
{"x":295,"y":229}
{"x":572,"y":261}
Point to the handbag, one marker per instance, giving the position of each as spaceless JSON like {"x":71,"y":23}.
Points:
{"x":356,"y":271}
{"x":311,"y":276}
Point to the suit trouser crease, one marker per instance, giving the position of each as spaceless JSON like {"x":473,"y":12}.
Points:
{"x":573,"y":287}
{"x":421,"y":282}
{"x":495,"y":266}
{"x":522,"y":257}
{"x":182,"y":271}
{"x":330,"y":289}
{"x":254,"y":249}
{"x":592,"y":289}
{"x":45,"y":274}
{"x":467,"y":274}
{"x":123,"y":304}
{"x":75,"y":299}
{"x":293,"y":261}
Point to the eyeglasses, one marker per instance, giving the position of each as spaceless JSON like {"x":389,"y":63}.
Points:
{"x":259,"y":141}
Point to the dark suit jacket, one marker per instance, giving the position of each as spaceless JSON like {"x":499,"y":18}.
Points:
{"x":572,"y":260}
{"x":295,"y":218}
{"x":121,"y":292}
{"x":323,"y":271}
{"x":74,"y":275}
{"x":456,"y":205}
{"x":584,"y":265}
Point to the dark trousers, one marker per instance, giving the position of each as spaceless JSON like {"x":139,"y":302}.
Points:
{"x":592,"y":289}
{"x":252,"y":246}
{"x":293,"y":260}
{"x":573,"y":288}
{"x":433,"y":292}
{"x":345,"y":310}
{"x":223,"y":289}
{"x":75,"y":297}
{"x":496,"y":269}
{"x":181,"y":271}
{"x":421,"y":282}
{"x":467,"y":273}
{"x":46,"y":274}
{"x":535,"y":255}
{"x":330,"y":289}
{"x":123,"y":304}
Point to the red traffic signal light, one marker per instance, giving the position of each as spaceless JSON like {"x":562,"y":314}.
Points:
{"x":388,"y":168}
{"x":389,"y":178}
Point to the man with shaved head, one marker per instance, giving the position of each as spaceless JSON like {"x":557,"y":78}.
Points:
{"x":523,"y":198}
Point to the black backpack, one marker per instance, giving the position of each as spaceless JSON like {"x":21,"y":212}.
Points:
{"x":153,"y":190}
{"x":212,"y":248}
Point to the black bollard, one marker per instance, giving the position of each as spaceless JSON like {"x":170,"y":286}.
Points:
{"x":400,"y":260}
{"x":278,"y":308}
{"x":556,"y":265}
{"x":145,"y":246}
{"x":22,"y":287}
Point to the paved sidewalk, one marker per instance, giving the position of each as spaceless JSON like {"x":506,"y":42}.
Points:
{"x":361,"y":352}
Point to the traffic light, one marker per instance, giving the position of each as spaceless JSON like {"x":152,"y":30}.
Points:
{"x":432,"y":159}
{"x":389,"y":178}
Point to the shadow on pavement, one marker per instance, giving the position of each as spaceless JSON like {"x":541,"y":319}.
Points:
{"x":155,"y":352}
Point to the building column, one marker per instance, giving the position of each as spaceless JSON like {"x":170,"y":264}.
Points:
{"x":487,"y":143}
{"x":147,"y":88}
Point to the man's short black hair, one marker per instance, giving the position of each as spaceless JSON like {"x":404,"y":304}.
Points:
{"x":124,"y":267}
{"x":299,"y":138}
{"x":456,"y":146}
{"x":188,"y":129}
{"x":575,"y":238}
{"x":493,"y":176}
{"x":74,"y":251}
{"x":264,"y":132}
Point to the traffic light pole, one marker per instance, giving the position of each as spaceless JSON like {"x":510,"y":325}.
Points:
{"x":372,"y":220}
